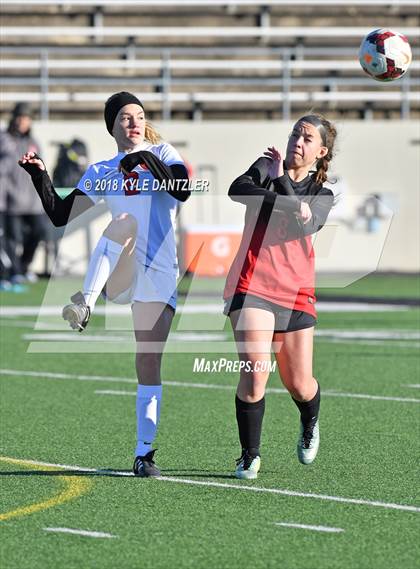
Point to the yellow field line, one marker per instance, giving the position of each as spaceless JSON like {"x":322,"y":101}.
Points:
{"x":74,"y":486}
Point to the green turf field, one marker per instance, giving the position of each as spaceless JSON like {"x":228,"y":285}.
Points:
{"x":76,"y":413}
{"x":376,"y":285}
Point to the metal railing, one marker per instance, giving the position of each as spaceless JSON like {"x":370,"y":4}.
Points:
{"x":179,"y":32}
{"x":279,"y":84}
{"x":198,"y":3}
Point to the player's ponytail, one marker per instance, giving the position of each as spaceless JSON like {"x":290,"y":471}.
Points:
{"x":329,"y":134}
{"x":151,"y":134}
{"x":320,"y":176}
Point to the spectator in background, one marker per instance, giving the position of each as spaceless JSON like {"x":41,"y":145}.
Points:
{"x":25,"y":221}
{"x":72,"y":163}
{"x":6,"y":162}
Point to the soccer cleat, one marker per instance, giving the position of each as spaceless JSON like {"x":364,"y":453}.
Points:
{"x":247,"y":466}
{"x":145,"y":467}
{"x":308,"y":443}
{"x":78,"y":313}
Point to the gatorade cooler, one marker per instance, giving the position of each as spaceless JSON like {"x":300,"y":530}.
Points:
{"x":209,"y":250}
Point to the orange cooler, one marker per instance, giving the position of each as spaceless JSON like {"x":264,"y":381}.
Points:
{"x":209,"y":250}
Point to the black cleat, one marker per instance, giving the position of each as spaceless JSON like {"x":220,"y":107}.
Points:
{"x":78,"y":313}
{"x":145,"y":467}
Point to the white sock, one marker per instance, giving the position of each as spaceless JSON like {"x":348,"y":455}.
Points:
{"x":148,"y":413}
{"x":103,"y":261}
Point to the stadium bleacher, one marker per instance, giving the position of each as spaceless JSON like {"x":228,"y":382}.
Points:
{"x":203,"y":59}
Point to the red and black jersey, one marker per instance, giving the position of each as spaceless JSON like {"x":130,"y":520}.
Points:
{"x":275,"y":259}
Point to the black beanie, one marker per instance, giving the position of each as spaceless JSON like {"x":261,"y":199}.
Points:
{"x":22,"y":110}
{"x":114,"y":104}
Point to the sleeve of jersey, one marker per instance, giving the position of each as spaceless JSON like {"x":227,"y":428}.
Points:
{"x":161,"y":171}
{"x":248,"y":187}
{"x":88,"y":184}
{"x":59,"y":210}
{"x":320,"y":206}
{"x":170,"y":155}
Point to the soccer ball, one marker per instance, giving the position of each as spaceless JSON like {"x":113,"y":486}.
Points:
{"x":385,"y":55}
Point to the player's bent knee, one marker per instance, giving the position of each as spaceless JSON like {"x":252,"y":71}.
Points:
{"x":257,"y":393}
{"x":251,"y":394}
{"x":260,"y":378}
{"x":253,"y":387}
{"x":299,"y":387}
{"x":121,"y":228}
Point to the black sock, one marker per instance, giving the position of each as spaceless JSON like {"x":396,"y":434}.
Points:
{"x":250,"y":417}
{"x":309,"y":410}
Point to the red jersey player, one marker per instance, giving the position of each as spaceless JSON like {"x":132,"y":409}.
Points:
{"x":269,"y":292}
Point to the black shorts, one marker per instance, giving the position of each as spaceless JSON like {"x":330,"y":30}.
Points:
{"x":285,"y":319}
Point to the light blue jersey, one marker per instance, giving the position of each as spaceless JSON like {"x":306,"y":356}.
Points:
{"x":138,"y":194}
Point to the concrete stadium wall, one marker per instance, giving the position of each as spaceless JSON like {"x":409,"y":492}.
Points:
{"x":372,"y":158}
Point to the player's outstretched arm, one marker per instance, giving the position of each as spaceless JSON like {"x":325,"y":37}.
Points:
{"x":251,"y":184}
{"x":59,"y":210}
{"x":159,"y":169}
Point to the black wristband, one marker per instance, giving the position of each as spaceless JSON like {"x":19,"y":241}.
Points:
{"x":33,"y":170}
{"x":130,"y":161}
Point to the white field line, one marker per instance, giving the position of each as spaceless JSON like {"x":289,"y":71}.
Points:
{"x":80,"y":532}
{"x":121,"y":335}
{"x":11,"y":322}
{"x":412,"y":385}
{"x":369,"y":337}
{"x":269,"y":390}
{"x":238,"y":486}
{"x":321,"y":307}
{"x":67,"y":376}
{"x":198,"y":308}
{"x":114,"y":392}
{"x":72,"y":337}
{"x":197,"y":336}
{"x":321,"y":333}
{"x":369,"y":334}
{"x":191,"y":336}
{"x":15,"y":323}
{"x":186,"y":384}
{"x":326,"y":529}
{"x":371,"y":397}
{"x":65,"y":343}
{"x":365,"y":342}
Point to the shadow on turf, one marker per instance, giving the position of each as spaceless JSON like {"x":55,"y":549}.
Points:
{"x":114,"y":473}
{"x":105,"y":472}
{"x":196,"y":473}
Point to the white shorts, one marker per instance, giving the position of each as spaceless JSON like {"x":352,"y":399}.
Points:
{"x":149,"y":285}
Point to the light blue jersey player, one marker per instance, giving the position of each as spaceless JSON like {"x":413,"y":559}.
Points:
{"x":138,"y":193}
{"x":135,"y":260}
